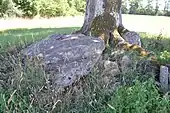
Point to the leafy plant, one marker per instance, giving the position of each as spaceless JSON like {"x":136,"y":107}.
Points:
{"x":164,"y":57}
{"x":139,"y":98}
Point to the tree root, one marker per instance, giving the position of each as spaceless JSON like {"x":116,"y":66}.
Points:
{"x":122,"y":43}
{"x":119,"y":42}
{"x":127,"y":46}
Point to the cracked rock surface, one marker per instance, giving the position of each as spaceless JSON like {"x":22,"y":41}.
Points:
{"x":68,"y":57}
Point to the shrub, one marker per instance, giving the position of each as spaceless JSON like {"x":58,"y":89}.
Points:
{"x":27,"y":7}
{"x":42,"y":8}
{"x":139,"y":98}
{"x":52,"y":8}
{"x":9,"y":9}
{"x":164,"y":57}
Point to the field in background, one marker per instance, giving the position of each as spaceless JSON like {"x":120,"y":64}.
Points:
{"x":139,"y":23}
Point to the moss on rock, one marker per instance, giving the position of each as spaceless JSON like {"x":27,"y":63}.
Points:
{"x":102,"y":26}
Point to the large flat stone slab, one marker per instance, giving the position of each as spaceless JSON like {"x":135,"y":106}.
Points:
{"x":69,"y":57}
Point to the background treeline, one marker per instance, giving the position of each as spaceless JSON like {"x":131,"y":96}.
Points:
{"x":146,"y":7}
{"x":41,"y":8}
{"x":53,"y":8}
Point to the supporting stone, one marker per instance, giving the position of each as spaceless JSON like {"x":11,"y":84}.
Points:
{"x":164,"y":76}
{"x":125,"y":63}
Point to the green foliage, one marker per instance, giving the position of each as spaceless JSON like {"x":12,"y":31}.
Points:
{"x":167,"y":12}
{"x":139,"y":98}
{"x":164,"y":57}
{"x":42,"y":8}
{"x":156,"y":43}
{"x":80,"y":5}
{"x":134,"y":5}
{"x":145,"y":7}
{"x":27,"y":7}
{"x":9,"y":8}
{"x":124,"y":7}
{"x":149,"y":8}
{"x":52,"y":8}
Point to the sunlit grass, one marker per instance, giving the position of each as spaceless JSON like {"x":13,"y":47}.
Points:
{"x":10,"y":38}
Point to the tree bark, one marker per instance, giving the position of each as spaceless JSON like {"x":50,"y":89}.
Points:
{"x":89,"y":16}
{"x":95,"y":8}
{"x":102,"y":19}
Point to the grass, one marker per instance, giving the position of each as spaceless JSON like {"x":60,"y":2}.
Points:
{"x":159,"y":45}
{"x":21,"y":36}
{"x":28,"y":91}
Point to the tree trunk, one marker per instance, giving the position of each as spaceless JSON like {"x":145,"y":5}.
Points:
{"x":95,"y":8}
{"x":102,"y":19}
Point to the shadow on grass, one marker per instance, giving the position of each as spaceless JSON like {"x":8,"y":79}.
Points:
{"x":17,"y":36}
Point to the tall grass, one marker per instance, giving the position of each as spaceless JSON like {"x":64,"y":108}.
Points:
{"x":25,"y":87}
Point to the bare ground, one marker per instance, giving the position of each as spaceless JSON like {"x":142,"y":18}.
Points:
{"x":139,"y":23}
